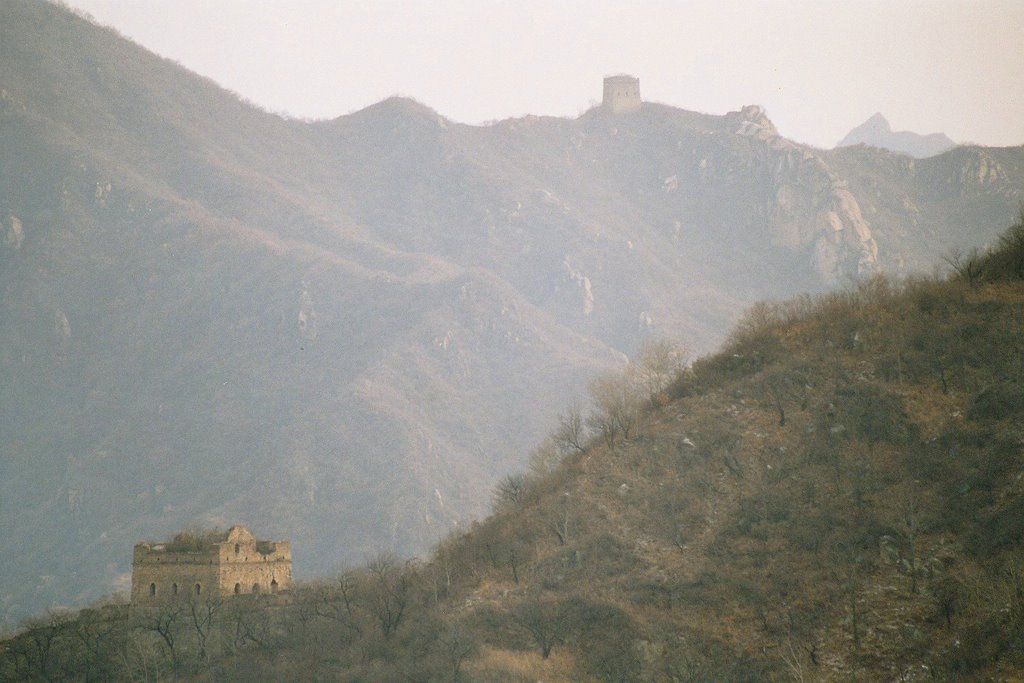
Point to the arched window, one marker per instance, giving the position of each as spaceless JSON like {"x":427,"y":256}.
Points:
{"x":273,"y":586}
{"x":238,"y":588}
{"x":174,"y":589}
{"x":152,"y":589}
{"x":199,"y":589}
{"x":238,"y":547}
{"x":255,"y":588}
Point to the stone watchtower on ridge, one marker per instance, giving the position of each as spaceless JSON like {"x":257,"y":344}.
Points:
{"x":621,"y":93}
{"x":214,"y":564}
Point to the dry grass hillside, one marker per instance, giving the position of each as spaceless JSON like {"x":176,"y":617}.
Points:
{"x":835,"y":495}
{"x":346,"y":332}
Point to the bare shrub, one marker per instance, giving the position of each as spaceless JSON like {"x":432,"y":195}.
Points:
{"x":616,"y":407}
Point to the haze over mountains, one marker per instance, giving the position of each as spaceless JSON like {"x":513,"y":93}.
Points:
{"x":877,"y":132}
{"x":344,"y":332}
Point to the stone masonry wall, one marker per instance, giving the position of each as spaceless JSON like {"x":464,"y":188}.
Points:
{"x":251,"y":571}
{"x":159,"y":576}
{"x":621,"y":93}
{"x":238,"y":565}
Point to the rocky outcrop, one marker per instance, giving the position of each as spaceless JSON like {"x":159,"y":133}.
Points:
{"x":15,"y":234}
{"x":844,"y":243}
{"x":812,"y":208}
{"x":979,"y":173}
{"x":307,"y":315}
{"x":582,"y":294}
{"x":61,"y":326}
{"x":751,"y":120}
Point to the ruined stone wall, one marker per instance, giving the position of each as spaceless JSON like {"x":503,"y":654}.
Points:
{"x":255,"y":567}
{"x":159,"y":575}
{"x":238,"y":565}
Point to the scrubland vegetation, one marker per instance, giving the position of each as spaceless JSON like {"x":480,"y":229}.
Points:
{"x":345,"y":331}
{"x":838,"y":494}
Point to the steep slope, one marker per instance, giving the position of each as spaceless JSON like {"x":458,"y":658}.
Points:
{"x":188,"y":337}
{"x":344,"y":332}
{"x":836,"y":494}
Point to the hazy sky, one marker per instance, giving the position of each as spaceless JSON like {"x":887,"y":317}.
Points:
{"x":819,"y":68}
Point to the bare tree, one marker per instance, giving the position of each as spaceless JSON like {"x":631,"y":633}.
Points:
{"x":339,"y":603}
{"x":948,"y":592}
{"x":561,"y":522}
{"x":778,"y":389}
{"x":101,"y":633}
{"x":910,"y":527}
{"x":456,"y":646}
{"x":515,"y":560}
{"x":546,"y":622}
{"x":509,"y":491}
{"x":616,"y":407}
{"x":346,"y":588}
{"x":325,"y":615}
{"x":794,"y":662}
{"x":202,"y":613}
{"x":390,"y":591}
{"x":847,"y":563}
{"x":546,"y":457}
{"x":657,"y":365}
{"x":571,"y":433}
{"x":799,"y":640}
{"x":1006,"y":260}
{"x":246,"y":621}
{"x":40,"y":652}
{"x":164,"y":622}
{"x":443,"y":566}
{"x":967,"y":266}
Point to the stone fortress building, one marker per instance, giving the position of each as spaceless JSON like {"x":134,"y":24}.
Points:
{"x":621,"y":93}
{"x":210,"y":564}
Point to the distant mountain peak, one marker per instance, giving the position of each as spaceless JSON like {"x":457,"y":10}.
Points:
{"x":400,"y":103}
{"x":877,"y":123}
{"x":877,"y":132}
{"x":396,"y":107}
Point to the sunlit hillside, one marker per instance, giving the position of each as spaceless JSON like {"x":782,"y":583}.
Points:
{"x":835,"y":494}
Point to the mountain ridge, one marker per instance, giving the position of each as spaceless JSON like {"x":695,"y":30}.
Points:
{"x":356,"y":326}
{"x":877,"y":132}
{"x":834,"y":494}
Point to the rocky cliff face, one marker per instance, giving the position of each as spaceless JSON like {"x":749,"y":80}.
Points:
{"x":811,"y":207}
{"x":344,"y":332}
